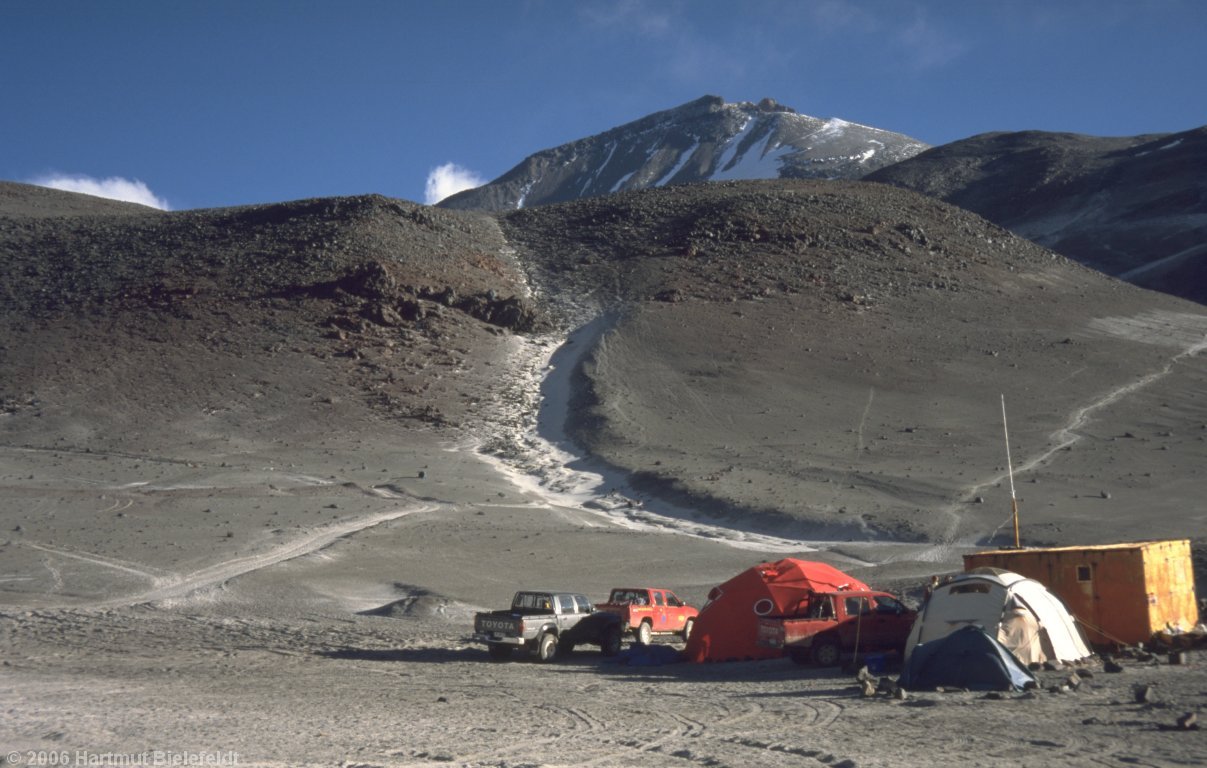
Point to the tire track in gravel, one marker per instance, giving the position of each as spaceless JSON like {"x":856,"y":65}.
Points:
{"x":826,"y":713}
{"x":536,"y":745}
{"x":592,"y":723}
{"x":669,"y":742}
{"x":806,"y":717}
{"x":151,"y":574}
{"x":213,"y":575}
{"x":1189,"y":337}
{"x":56,"y":576}
{"x":753,"y":709}
{"x":818,"y":754}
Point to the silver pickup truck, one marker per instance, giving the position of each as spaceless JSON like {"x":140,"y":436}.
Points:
{"x":547,"y":624}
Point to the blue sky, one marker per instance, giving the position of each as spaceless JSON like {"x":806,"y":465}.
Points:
{"x":204,"y":104}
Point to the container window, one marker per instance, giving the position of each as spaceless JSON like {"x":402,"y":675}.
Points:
{"x":964,"y":589}
{"x":1084,"y":573}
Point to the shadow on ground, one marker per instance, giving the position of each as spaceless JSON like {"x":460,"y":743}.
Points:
{"x":413,"y":655}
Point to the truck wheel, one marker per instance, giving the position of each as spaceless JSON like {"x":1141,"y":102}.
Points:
{"x":826,"y":652}
{"x":546,"y":647}
{"x":609,"y":642}
{"x":644,"y":633}
{"x":687,"y":629}
{"x":499,"y":652}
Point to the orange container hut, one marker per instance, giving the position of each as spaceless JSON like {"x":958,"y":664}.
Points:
{"x":1121,"y":594}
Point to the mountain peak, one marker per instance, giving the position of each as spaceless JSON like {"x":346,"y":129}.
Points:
{"x":707,"y":139}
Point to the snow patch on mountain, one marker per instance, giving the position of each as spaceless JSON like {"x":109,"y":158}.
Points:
{"x":674,"y":171}
{"x":704,"y":140}
{"x":760,"y":162}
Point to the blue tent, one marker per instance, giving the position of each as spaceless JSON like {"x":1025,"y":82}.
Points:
{"x":653,"y":655}
{"x":967,"y":658}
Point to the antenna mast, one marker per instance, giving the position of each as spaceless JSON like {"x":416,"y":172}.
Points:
{"x":1010,"y":473}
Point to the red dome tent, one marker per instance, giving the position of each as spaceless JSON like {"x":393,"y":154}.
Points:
{"x":727,"y":627}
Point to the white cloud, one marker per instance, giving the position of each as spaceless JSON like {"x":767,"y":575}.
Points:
{"x":646,"y":17}
{"x":449,"y":179}
{"x":114,"y":188}
{"x":927,"y":46}
{"x":836,"y":16}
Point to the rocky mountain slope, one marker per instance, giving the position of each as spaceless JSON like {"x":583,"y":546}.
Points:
{"x":1133,"y":207}
{"x":835,"y":352}
{"x":703,"y":140}
{"x":28,"y":201}
{"x":778,"y":353}
{"x":382,"y":295}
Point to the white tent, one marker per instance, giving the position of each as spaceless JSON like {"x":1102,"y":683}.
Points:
{"x":1023,"y":615}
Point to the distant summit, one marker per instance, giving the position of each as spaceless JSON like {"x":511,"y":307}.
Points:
{"x":703,"y":140}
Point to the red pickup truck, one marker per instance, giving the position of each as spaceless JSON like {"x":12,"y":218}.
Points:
{"x":646,"y":612}
{"x":839,"y":623}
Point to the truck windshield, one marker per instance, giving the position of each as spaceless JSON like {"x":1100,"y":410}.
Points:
{"x":888,"y":605}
